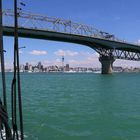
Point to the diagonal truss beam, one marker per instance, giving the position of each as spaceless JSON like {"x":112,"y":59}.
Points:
{"x":45,"y":23}
{"x":119,"y":54}
{"x":36,"y":21}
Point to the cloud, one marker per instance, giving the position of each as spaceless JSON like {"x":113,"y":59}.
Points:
{"x":84,"y":63}
{"x":90,"y":60}
{"x":87,"y":59}
{"x":38,"y":52}
{"x":65,"y":53}
{"x":126,"y":63}
{"x":88,"y":54}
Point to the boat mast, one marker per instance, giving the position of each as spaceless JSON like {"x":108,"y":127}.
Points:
{"x":2,"y":59}
{"x":16,"y":70}
{"x":4,"y":126}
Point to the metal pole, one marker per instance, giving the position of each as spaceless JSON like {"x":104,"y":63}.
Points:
{"x":2,"y":59}
{"x":7,"y":128}
{"x":18,"y":73}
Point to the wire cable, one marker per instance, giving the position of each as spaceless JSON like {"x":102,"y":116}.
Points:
{"x":16,"y":87}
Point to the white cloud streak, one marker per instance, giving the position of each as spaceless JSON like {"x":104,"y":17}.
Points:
{"x":38,"y":52}
{"x":126,"y":63}
{"x":91,"y":60}
{"x":66,"y":53}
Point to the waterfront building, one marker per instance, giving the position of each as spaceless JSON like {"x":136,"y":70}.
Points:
{"x":40,"y":67}
{"x":67,"y":68}
{"x":22,"y":68}
{"x":26,"y":67}
{"x":30,"y":68}
{"x":117,"y":69}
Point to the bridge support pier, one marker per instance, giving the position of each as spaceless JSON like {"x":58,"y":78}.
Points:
{"x":107,"y":64}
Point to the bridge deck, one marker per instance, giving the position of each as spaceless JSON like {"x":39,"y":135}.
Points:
{"x":93,"y":42}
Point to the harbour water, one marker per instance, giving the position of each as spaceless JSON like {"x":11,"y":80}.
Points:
{"x":76,"y":106}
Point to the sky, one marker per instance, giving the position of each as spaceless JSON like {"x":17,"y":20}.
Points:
{"x":119,"y":17}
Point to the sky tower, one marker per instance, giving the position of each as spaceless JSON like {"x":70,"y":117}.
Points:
{"x":63,"y":62}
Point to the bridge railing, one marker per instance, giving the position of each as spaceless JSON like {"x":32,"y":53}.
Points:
{"x":46,"y":23}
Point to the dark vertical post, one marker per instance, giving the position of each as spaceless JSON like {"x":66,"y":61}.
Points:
{"x":18,"y":72}
{"x":7,"y":128}
{"x":2,"y":59}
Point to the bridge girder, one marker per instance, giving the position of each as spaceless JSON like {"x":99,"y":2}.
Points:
{"x":119,"y":54}
{"x":41,"y":22}
{"x":68,"y":31}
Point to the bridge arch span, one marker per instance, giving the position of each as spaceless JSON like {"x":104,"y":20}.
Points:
{"x":109,"y":50}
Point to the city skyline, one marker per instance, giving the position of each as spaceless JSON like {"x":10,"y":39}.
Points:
{"x":39,"y":67}
{"x":119,"y":22}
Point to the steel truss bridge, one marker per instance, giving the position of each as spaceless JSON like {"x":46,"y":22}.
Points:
{"x":49,"y":28}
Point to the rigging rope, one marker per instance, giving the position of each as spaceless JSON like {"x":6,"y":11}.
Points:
{"x":5,"y":130}
{"x":16,"y":88}
{"x":4,"y":124}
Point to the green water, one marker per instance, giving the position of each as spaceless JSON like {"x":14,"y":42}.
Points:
{"x":81,"y":106}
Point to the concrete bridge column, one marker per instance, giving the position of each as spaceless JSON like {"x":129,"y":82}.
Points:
{"x":107,"y":64}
